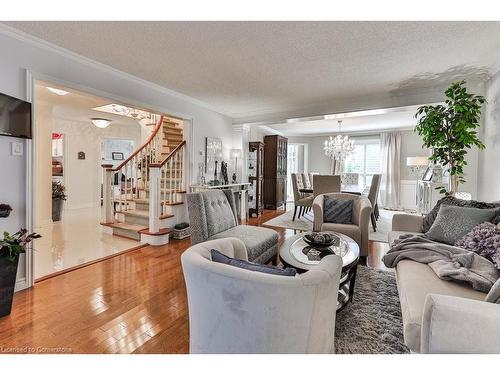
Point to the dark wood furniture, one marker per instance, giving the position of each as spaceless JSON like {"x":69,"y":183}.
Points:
{"x":292,"y":254}
{"x":256,"y":178}
{"x":275,"y":154}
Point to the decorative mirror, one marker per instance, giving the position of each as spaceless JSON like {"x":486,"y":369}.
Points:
{"x":213,"y":153}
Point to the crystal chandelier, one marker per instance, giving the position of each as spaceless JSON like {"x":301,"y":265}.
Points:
{"x":340,"y":146}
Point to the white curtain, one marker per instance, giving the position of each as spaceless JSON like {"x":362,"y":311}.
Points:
{"x":390,"y":147}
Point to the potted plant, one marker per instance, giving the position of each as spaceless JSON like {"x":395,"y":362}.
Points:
{"x":449,"y":129}
{"x":11,"y":246}
{"x":58,"y":196}
{"x":5,"y":210}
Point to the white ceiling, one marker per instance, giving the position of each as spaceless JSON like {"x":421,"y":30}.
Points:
{"x":382,"y":120}
{"x":77,"y":105}
{"x":251,"y":70}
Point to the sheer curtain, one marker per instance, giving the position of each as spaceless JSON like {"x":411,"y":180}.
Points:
{"x":390,"y":147}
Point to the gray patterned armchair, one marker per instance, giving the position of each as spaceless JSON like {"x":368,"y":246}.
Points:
{"x":212,"y":215}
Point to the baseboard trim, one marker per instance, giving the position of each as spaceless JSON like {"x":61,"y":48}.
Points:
{"x":74,"y":268}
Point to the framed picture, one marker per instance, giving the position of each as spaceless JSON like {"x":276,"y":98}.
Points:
{"x":213,"y":153}
{"x":427,"y":174}
{"x":117,"y":156}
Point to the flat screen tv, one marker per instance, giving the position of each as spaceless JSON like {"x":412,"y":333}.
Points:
{"x":15,"y":117}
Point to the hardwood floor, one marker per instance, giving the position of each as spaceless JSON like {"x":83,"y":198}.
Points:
{"x":132,"y":303}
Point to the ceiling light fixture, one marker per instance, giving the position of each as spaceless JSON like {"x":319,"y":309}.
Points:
{"x":101,"y":122}
{"x":340,"y":146}
{"x":57,"y":91}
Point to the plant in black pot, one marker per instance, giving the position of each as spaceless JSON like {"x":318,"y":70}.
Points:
{"x":58,"y":196}
{"x":5,"y":210}
{"x":11,"y":246}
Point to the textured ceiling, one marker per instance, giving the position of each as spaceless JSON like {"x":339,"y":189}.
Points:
{"x":245,"y":69}
{"x":395,"y":118}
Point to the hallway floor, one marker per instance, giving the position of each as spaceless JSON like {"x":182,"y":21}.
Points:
{"x":75,"y":240}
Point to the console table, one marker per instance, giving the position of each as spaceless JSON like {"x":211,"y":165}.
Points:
{"x":240,"y":193}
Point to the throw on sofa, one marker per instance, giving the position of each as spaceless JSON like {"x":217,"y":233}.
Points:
{"x":441,"y":316}
{"x":212,"y":215}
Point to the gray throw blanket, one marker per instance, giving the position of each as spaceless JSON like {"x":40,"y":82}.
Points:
{"x":448,"y":262}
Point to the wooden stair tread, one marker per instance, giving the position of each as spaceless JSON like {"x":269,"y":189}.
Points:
{"x":146,"y":201}
{"x":136,"y":213}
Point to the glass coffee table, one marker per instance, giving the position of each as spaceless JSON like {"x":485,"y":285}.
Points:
{"x":296,"y":253}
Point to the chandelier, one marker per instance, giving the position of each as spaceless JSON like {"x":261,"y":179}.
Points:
{"x":340,"y":146}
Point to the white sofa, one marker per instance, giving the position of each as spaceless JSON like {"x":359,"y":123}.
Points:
{"x":441,"y":316}
{"x":233,"y":310}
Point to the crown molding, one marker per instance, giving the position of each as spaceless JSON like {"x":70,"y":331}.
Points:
{"x":43,"y":44}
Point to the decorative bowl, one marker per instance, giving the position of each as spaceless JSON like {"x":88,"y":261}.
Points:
{"x":321,"y":239}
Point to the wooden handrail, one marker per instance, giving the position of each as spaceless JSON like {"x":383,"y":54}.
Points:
{"x":159,"y":165}
{"x":150,"y":138}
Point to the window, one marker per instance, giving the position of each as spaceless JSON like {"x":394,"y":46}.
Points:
{"x":365,"y":160}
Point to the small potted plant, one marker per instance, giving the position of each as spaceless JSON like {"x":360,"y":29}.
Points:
{"x":11,"y":246}
{"x":58,"y":196}
{"x":5,"y":210}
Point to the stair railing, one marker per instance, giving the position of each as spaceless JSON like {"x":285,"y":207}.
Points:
{"x":132,"y":174}
{"x":167,"y":182}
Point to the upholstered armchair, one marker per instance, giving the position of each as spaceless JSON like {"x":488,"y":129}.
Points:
{"x":234,"y":310}
{"x":358,"y":230}
{"x":212,"y":215}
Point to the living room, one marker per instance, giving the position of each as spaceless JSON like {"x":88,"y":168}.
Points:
{"x":330,"y":187}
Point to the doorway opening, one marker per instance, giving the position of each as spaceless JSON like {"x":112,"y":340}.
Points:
{"x":75,"y":133}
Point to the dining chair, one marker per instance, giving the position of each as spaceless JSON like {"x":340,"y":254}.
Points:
{"x":350,"y":178}
{"x":311,"y":178}
{"x":323,"y":184}
{"x":299,"y":199}
{"x":373,"y":198}
{"x":306,"y":180}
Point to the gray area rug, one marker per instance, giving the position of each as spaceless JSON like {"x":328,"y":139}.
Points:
{"x":384,"y":223}
{"x":371,"y":323}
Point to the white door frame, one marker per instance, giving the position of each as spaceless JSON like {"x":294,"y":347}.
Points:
{"x":31,"y":77}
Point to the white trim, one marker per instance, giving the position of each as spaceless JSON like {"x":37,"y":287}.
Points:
{"x":21,"y":284}
{"x":29,"y":279}
{"x":40,"y":43}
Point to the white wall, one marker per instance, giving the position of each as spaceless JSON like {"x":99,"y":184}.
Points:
{"x":22,"y":53}
{"x":489,"y":159}
{"x":83,"y":177}
{"x":13,"y":172}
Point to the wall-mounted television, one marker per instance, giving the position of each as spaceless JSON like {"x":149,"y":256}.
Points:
{"x":15,"y":117}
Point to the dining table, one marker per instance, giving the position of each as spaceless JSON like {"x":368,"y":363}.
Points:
{"x":350,"y":189}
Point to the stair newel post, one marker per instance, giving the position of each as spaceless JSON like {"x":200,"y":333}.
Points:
{"x":107,"y":214}
{"x":183,"y":163}
{"x":154,"y":198}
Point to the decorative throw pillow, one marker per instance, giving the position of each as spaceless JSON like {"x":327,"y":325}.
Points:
{"x":494,"y":294}
{"x":337,"y":211}
{"x":218,"y":257}
{"x":454,"y":222}
{"x":483,"y":239}
{"x":452,"y":201}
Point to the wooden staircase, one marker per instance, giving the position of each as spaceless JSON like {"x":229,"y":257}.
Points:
{"x":158,"y":168}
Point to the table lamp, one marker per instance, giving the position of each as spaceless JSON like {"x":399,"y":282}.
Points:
{"x":235,"y":154}
{"x":416,"y":164}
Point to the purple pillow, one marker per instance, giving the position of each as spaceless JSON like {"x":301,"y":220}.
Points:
{"x":484,"y":240}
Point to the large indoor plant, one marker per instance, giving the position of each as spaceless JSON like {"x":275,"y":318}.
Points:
{"x":58,"y":197}
{"x":449,"y":129}
{"x":11,"y":246}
